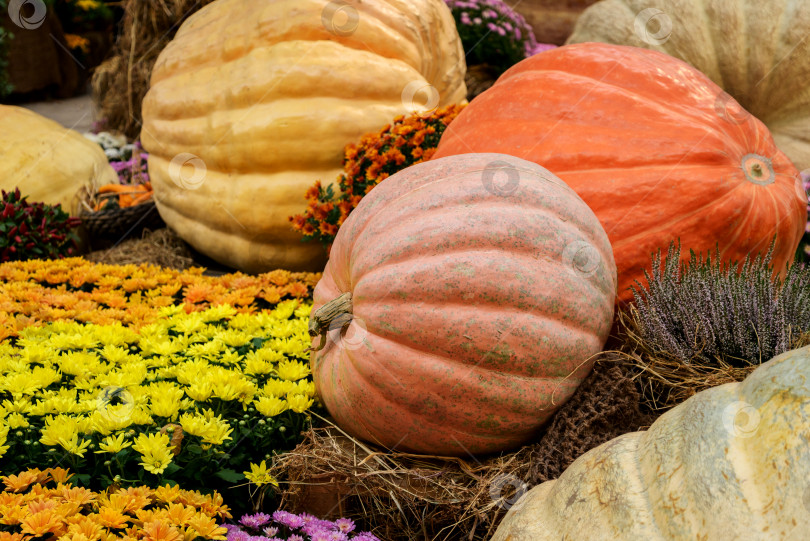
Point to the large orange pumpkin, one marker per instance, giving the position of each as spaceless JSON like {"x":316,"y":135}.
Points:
{"x":650,"y":144}
{"x":480,"y":287}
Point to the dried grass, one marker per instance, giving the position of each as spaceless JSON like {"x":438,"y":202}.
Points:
{"x":402,"y":496}
{"x":161,"y":247}
{"x":120,"y":83}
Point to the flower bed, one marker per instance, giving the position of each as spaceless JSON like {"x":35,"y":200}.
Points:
{"x":36,"y":292}
{"x":30,"y":508}
{"x":282,"y":525}
{"x":191,"y":398}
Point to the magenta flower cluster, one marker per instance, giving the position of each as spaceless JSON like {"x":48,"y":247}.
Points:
{"x":285,"y":526}
{"x":133,"y":170}
{"x":493,"y":33}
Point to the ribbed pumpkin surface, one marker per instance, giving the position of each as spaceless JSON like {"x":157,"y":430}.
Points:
{"x":266,"y":95}
{"x":730,"y":463}
{"x":756,"y":50}
{"x":48,"y":162}
{"x":481,"y":286}
{"x":637,"y":135}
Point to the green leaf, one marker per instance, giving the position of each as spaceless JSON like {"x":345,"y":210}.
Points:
{"x":230,"y":476}
{"x":82,"y":478}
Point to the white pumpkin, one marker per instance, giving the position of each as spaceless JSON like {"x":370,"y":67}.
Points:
{"x":730,"y":463}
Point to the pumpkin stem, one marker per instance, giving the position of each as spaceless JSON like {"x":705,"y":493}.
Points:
{"x":758,"y":169}
{"x":336,"y":313}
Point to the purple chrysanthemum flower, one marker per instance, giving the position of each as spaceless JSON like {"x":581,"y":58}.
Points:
{"x":238,"y":535}
{"x":320,"y":535}
{"x":255,"y":521}
{"x":365,"y":536}
{"x":289,"y":520}
{"x":345,"y":525}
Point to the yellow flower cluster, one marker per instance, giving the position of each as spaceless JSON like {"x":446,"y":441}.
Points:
{"x":30,"y":509}
{"x":35,"y":292}
{"x":186,"y":378}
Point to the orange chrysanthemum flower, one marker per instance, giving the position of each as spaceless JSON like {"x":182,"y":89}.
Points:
{"x":85,"y":526}
{"x":21,"y":481}
{"x":167,"y":493}
{"x":112,"y":518}
{"x":160,"y":530}
{"x":77,"y":495}
{"x":207,"y":527}
{"x":13,"y":514}
{"x":407,"y":141}
{"x":42,"y":522}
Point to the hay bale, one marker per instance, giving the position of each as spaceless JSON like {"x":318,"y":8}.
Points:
{"x":402,"y":496}
{"x":120,"y":83}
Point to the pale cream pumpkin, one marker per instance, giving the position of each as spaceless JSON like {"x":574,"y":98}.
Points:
{"x":730,"y":463}
{"x":757,"y":51}
{"x":46,"y":161}
{"x":258,"y":100}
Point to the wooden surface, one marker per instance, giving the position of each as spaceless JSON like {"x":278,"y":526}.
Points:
{"x":552,"y":20}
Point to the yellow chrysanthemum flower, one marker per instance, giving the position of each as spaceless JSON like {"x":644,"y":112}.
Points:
{"x":218,"y":431}
{"x":155,"y":451}
{"x":61,"y":427}
{"x":3,"y":439}
{"x":292,"y":370}
{"x":259,"y":475}
{"x":278,"y":387}
{"x":17,"y":420}
{"x":113,"y":444}
{"x":299,"y":403}
{"x":270,"y":406}
{"x":75,"y":446}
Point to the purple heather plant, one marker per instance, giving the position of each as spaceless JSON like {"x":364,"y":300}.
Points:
{"x":705,"y":310}
{"x":493,"y":33}
{"x":286,"y":526}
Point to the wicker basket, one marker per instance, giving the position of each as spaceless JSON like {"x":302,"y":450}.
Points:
{"x":119,"y":223}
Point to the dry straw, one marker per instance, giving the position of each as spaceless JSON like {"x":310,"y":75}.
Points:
{"x":121,"y":82}
{"x":161,"y":247}
{"x":402,"y":496}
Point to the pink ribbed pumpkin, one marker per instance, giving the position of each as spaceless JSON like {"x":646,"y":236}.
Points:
{"x":480,"y":286}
